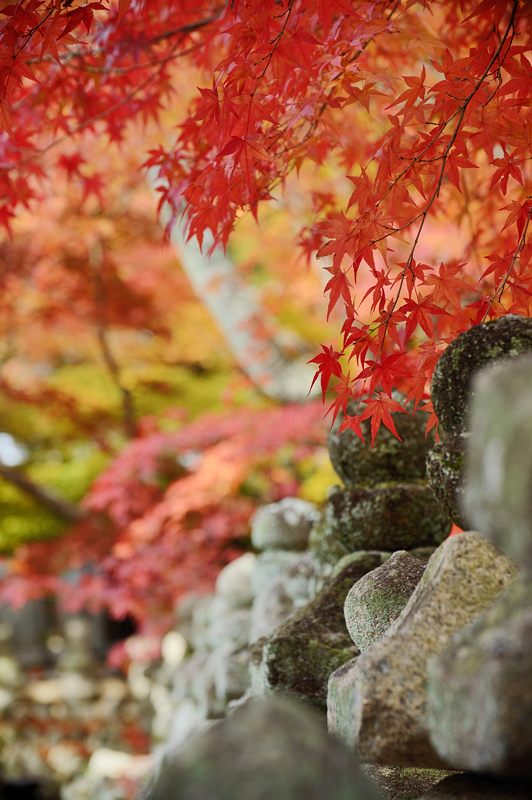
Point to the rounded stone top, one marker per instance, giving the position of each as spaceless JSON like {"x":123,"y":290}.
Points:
{"x":451,"y":390}
{"x":285,"y":525}
{"x":390,"y":459}
{"x":377,"y":599}
{"x":234,"y":581}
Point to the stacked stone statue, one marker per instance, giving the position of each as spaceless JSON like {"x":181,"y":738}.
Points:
{"x":284,"y":574}
{"x":377,"y":703}
{"x":386,"y":505}
{"x":253,"y":595}
{"x":502,"y":338}
{"x":270,"y":747}
{"x":480,"y":688}
{"x":216,"y":669}
{"x":417,"y":644}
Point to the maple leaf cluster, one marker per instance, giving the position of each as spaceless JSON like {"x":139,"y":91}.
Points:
{"x":424,"y":105}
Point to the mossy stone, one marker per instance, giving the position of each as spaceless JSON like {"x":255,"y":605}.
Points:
{"x":388,"y":517}
{"x":379,"y":705}
{"x":357,"y":463}
{"x":479,"y":690}
{"x":445,"y":476}
{"x":506,"y":337}
{"x":301,"y":654}
{"x":377,"y":599}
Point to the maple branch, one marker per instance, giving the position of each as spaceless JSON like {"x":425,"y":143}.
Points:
{"x":328,"y":95}
{"x":151,"y":78}
{"x":96,"y":53}
{"x":190,"y":27}
{"x":128,"y":408}
{"x":69,"y":512}
{"x":33,"y":31}
{"x":276,"y":41}
{"x":520,"y":245}
{"x":90,"y":68}
{"x":461,"y":112}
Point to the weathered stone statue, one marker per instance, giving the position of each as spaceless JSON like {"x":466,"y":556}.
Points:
{"x":480,"y":687}
{"x":386,"y":506}
{"x":274,"y":748}
{"x":451,"y":391}
{"x":378,"y":704}
{"x":385,"y":503}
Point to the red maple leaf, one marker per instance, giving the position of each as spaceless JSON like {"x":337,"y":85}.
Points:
{"x":328,"y":365}
{"x":379,"y":410}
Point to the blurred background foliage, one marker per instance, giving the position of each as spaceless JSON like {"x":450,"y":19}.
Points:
{"x":97,"y":316}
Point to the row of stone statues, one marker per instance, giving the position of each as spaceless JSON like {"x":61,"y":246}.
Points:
{"x":416,"y":645}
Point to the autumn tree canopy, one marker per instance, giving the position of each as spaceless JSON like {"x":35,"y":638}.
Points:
{"x":407,"y":127}
{"x":424,"y":105}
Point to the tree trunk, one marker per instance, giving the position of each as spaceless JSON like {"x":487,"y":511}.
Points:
{"x":251,"y":335}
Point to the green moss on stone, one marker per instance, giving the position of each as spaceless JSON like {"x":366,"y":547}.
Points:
{"x":377,"y":599}
{"x":506,"y":337}
{"x":445,"y":464}
{"x":356,"y":463}
{"x":403,"y":783}
{"x":302,"y":653}
{"x":389,"y":516}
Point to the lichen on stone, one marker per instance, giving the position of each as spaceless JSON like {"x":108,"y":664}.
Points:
{"x":301,"y":654}
{"x":390,"y":459}
{"x":445,"y":463}
{"x":498,"y":490}
{"x":390,"y":516}
{"x":377,"y":599}
{"x":506,"y":337}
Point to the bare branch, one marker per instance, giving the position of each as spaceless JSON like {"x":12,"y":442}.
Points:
{"x":69,"y":512}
